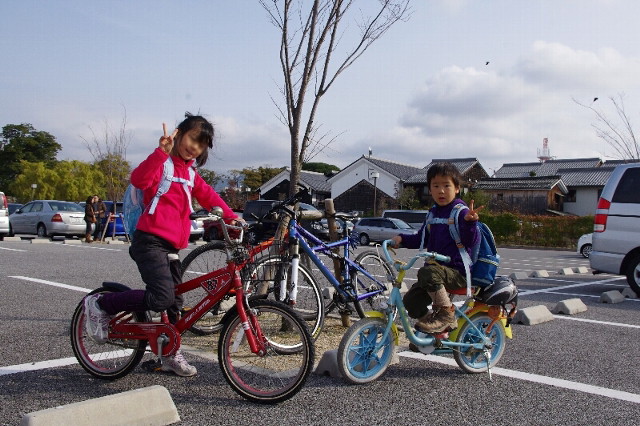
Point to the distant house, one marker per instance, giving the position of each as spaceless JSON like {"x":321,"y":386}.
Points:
{"x":548,"y":168}
{"x":530,"y":195}
{"x":277,"y":188}
{"x":356,"y":186}
{"x":470,"y":169}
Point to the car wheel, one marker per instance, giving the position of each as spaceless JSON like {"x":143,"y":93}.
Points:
{"x":633,"y":274}
{"x":585,"y":251}
{"x":42,"y":230}
{"x":252,"y":237}
{"x":364,"y":239}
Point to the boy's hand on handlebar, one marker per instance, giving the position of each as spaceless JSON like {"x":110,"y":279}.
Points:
{"x":396,"y":241}
{"x":472,"y":214}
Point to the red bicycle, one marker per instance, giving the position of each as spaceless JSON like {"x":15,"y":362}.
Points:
{"x":265,"y":350}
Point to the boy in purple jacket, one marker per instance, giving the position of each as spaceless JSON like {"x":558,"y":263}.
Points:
{"x":435,"y":279}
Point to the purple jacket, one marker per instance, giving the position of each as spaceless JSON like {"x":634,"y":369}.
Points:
{"x":438,"y":238}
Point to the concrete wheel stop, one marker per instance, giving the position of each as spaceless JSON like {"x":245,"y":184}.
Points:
{"x":533,"y":315}
{"x":146,"y":406}
{"x":569,"y":307}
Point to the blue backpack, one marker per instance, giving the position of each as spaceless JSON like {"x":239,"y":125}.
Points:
{"x":481,"y":267}
{"x":133,"y":207}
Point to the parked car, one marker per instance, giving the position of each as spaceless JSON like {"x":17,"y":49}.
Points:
{"x":414,"y":218}
{"x":320,"y":228}
{"x":4,"y":216}
{"x":14,"y":206}
{"x":48,"y":218}
{"x":380,"y":228}
{"x":584,"y":245}
{"x":616,"y":226}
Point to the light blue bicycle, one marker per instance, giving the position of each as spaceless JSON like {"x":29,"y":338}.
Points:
{"x":366,"y":349}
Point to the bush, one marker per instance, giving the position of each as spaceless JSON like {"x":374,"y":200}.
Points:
{"x":538,"y":230}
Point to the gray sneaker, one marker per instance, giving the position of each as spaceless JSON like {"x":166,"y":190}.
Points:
{"x":96,"y":321}
{"x":178,"y":365}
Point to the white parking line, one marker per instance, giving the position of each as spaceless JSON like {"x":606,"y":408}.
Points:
{"x":576,"y":284}
{"x":51,"y":283}
{"x":10,"y":249}
{"x":536,"y":378}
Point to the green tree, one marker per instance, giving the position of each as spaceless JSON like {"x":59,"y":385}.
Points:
{"x":67,"y":180}
{"x":407,"y":199}
{"x":21,"y":142}
{"x":479,"y":197}
{"x":209,"y":176}
{"x":320,"y":167}
{"x":254,"y":178}
{"x":115,"y":171}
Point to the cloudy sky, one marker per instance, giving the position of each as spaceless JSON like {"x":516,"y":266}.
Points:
{"x":424,"y":91}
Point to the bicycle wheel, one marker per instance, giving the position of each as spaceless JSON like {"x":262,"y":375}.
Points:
{"x":266,"y":275}
{"x":473,"y":360}
{"x":358,"y":360}
{"x":204,"y":259}
{"x":111,"y":360}
{"x":379,"y":270}
{"x":278,"y":374}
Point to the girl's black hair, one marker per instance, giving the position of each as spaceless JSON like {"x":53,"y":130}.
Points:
{"x":205,"y":136}
{"x":444,"y":169}
{"x":90,"y":199}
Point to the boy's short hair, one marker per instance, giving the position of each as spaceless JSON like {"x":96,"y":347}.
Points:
{"x":444,"y":169}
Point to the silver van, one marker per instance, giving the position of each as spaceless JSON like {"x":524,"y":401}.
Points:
{"x":414,"y":218}
{"x":616,"y":228}
{"x":4,"y":216}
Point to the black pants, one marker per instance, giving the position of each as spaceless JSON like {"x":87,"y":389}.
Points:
{"x":160,"y":270}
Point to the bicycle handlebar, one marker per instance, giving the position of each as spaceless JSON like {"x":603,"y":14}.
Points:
{"x":400,"y":267}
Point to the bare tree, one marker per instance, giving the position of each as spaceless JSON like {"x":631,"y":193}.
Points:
{"x":617,"y":132}
{"x":109,"y":152}
{"x":308,"y":49}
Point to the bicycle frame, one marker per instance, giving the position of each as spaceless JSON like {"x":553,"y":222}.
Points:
{"x":301,"y":235}
{"x":164,"y":337}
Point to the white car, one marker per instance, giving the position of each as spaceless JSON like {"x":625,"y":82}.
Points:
{"x":584,"y":245}
{"x":4,"y":216}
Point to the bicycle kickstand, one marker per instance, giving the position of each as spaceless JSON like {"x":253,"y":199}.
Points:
{"x":487,"y":356}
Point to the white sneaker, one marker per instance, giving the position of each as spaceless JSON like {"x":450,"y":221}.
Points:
{"x":96,"y":320}
{"x":178,"y":365}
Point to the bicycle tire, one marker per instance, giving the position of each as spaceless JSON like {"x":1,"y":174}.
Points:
{"x":358,"y":361}
{"x":120,"y":357}
{"x":378,"y":268}
{"x":204,"y":259}
{"x":277,"y":375}
{"x":473,"y":360}
{"x":309,"y":301}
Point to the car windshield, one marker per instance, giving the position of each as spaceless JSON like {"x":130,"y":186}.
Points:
{"x":400,"y":223}
{"x":62,"y":206}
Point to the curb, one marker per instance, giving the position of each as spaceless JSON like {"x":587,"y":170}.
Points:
{"x":147,"y":406}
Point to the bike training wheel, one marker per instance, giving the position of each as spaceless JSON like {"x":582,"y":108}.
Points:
{"x":264,"y":276}
{"x":373,"y":264}
{"x":282,"y":371}
{"x":473,"y":360}
{"x":204,"y":259}
{"x":358,"y":360}
{"x":111,"y":360}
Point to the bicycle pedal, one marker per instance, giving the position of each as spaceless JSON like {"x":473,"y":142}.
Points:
{"x":152,"y":365}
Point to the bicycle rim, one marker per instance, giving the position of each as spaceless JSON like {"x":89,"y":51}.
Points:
{"x":309,"y":302}
{"x":111,"y":360}
{"x":374,"y":265}
{"x":283,"y":370}
{"x":363,"y":355}
{"x":473,"y":360}
{"x":204,"y":259}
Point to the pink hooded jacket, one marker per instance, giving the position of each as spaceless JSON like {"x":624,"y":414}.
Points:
{"x":171,"y":218}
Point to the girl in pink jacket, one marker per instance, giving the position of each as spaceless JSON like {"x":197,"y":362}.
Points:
{"x":159,"y":236}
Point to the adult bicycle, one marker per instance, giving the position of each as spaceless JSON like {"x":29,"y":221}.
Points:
{"x":265,"y":350}
{"x":478,"y":343}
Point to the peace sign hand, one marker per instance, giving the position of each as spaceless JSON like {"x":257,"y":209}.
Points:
{"x":472,"y":214}
{"x":166,"y":141}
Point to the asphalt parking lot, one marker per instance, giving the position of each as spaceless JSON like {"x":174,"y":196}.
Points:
{"x":576,"y":369}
